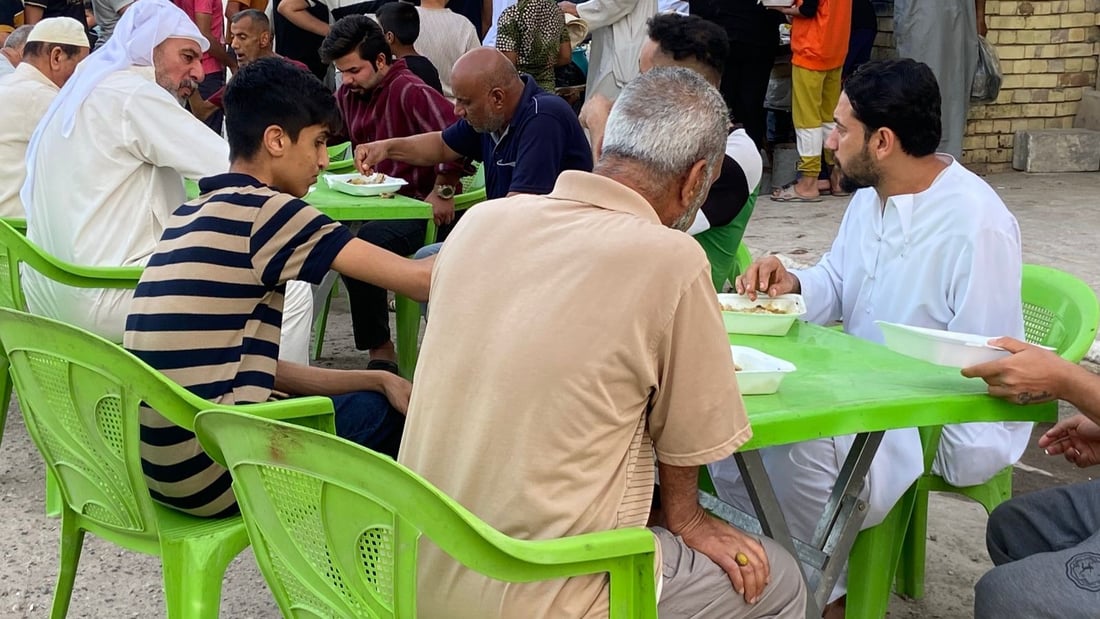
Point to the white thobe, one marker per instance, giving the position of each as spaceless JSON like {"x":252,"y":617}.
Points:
{"x":490,"y":39}
{"x":6,"y":66}
{"x":102,"y":195}
{"x":945,"y":258}
{"x":618,"y":30}
{"x":25,"y":95}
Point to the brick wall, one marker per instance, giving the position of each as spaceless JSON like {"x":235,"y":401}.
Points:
{"x":1048,"y":51}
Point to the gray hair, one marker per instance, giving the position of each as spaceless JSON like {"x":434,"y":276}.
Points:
{"x":667,"y":119}
{"x":18,"y":38}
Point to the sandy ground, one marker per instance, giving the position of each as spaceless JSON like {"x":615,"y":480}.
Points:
{"x":1059,"y":221}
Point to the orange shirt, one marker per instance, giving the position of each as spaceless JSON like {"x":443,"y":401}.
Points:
{"x":820,"y":43}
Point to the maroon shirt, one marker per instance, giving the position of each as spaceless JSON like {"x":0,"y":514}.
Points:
{"x":400,"y":106}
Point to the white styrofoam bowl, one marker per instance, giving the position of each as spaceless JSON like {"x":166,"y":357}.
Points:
{"x":762,"y":324}
{"x":340,"y":183}
{"x":760,"y":373}
{"x":777,"y":3}
{"x":947,"y":348}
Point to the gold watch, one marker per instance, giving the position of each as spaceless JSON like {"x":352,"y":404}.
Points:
{"x":445,"y":191}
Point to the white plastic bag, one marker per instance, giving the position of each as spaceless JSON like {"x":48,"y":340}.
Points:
{"x":987,"y":77}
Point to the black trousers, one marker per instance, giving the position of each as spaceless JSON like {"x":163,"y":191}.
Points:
{"x":370,"y":317}
{"x":745,"y":84}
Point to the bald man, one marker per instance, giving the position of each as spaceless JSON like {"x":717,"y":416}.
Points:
{"x":524,"y":136}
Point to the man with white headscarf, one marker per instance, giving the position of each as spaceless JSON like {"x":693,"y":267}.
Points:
{"x":105,"y":168}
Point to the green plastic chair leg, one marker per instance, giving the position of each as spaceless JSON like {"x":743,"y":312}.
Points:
{"x":322,"y":321}
{"x":53,"y":496}
{"x":873,"y":561}
{"x":194,"y":568}
{"x":910,"y":577}
{"x":72,"y":541}
{"x":408,"y":334}
{"x":989,"y":495}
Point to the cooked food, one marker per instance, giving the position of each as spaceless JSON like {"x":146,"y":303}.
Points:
{"x":766,"y":308}
{"x":373,"y":179}
{"x":737,"y":367}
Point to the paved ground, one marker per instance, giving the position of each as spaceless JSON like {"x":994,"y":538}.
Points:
{"x":1059,"y":218}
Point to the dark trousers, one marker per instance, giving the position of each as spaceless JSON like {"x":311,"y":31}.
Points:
{"x":207,"y":87}
{"x":745,"y":84}
{"x":366,"y":418}
{"x":370,"y":318}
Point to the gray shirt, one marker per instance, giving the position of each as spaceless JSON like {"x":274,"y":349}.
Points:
{"x":107,"y":13}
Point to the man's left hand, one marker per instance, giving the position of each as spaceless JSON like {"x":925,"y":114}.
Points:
{"x":569,"y":8}
{"x":443,"y":209}
{"x":722,"y":544}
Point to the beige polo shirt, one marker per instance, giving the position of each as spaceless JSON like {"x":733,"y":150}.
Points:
{"x":571,"y":336}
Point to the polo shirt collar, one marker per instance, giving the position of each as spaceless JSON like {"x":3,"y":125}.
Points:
{"x":227,"y":180}
{"x":528,"y":106}
{"x":588,"y":188}
{"x":28,"y":71}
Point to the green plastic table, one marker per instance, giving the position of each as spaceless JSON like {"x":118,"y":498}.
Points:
{"x":846,"y":385}
{"x":344,"y":208}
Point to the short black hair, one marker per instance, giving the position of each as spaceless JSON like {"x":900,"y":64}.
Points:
{"x":355,"y":33}
{"x":402,"y":19}
{"x":901,"y":95}
{"x":258,"y":17}
{"x":41,"y":49}
{"x":272,"y":91}
{"x":690,"y":36}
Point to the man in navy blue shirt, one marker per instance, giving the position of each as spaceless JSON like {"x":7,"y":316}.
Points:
{"x":524,"y":136}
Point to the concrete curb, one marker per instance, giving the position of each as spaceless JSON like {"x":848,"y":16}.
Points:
{"x":1093,"y":354}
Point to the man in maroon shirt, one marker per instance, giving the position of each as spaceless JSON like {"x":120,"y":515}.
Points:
{"x":379,"y":99}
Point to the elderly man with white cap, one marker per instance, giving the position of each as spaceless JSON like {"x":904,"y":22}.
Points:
{"x":53,"y":49}
{"x":106,"y":164}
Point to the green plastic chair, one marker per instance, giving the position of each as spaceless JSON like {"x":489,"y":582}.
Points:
{"x":723,"y":244}
{"x":1060,"y":311}
{"x":17,"y":250}
{"x":80,"y":395}
{"x":335,"y":527}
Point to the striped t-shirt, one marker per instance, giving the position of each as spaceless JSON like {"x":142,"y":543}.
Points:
{"x":208,"y":311}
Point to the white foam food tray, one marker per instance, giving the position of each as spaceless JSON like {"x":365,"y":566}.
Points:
{"x":947,"y":348}
{"x":764,"y":316}
{"x":343,"y":183}
{"x":758,"y":373}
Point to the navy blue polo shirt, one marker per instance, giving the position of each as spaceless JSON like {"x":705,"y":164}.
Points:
{"x":542,"y":139}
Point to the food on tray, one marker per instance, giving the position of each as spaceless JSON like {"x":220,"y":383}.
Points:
{"x":737,"y":367}
{"x":373,"y":179}
{"x":765,"y":308}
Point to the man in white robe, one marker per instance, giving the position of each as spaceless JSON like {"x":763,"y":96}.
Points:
{"x":105,"y":168}
{"x":618,"y":30}
{"x":924,"y":242}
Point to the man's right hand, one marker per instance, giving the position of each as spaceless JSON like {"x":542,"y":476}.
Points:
{"x":397,"y":390}
{"x":721,"y":543}
{"x":767,"y":275}
{"x":1077,"y":439}
{"x":369,"y":155}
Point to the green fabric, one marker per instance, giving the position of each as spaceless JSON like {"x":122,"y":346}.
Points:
{"x":720,"y":244}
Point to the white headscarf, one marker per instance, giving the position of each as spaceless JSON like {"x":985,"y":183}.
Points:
{"x":144,"y":26}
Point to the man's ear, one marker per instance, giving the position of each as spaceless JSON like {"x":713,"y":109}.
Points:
{"x":276,"y":141}
{"x":883,"y":143}
{"x":695,"y":183}
{"x":266,"y":39}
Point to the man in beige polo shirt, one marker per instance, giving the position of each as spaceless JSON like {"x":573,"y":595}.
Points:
{"x":593,"y":344}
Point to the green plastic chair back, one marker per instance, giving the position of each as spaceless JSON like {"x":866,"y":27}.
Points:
{"x":723,"y":243}
{"x":80,"y":395}
{"x":1060,"y":311}
{"x":339,"y":151}
{"x":335,"y":527}
{"x":473,"y":189}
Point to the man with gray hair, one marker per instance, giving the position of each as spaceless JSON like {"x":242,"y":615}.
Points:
{"x":11,"y":54}
{"x":599,"y":349}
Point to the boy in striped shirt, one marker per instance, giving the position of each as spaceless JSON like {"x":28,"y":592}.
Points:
{"x":208,"y":308}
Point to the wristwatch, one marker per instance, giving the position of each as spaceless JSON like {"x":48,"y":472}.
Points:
{"x":445,"y":191}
